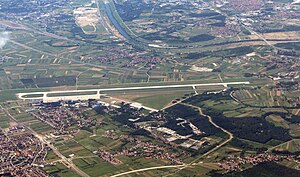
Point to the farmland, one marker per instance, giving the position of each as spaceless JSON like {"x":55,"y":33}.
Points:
{"x":150,"y":88}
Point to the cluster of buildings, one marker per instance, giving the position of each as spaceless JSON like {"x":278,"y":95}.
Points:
{"x":111,"y":135}
{"x":160,"y":129}
{"x":224,"y":27}
{"x":173,"y":138}
{"x":231,"y":28}
{"x":137,"y":148}
{"x":63,"y":115}
{"x":21,"y":154}
{"x":147,"y":150}
{"x":287,"y":64}
{"x":163,"y":3}
{"x":291,"y":65}
{"x":235,"y":163}
{"x":108,"y":157}
{"x":255,"y":12}
{"x":113,"y":54}
{"x":250,"y":5}
{"x":40,"y":12}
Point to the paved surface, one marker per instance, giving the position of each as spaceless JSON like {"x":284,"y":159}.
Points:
{"x":181,"y":167}
{"x":63,"y":159}
{"x":147,"y":169}
{"x":44,"y":95}
{"x":210,"y":151}
{"x":26,"y":96}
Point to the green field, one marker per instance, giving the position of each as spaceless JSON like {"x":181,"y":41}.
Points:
{"x":291,"y":146}
{"x":60,"y":170}
{"x":4,"y":121}
{"x":158,"y":101}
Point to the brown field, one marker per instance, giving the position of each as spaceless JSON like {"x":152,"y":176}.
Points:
{"x":159,"y":77}
{"x":278,"y":35}
{"x":95,"y":69}
{"x":74,"y":149}
{"x":86,"y":16}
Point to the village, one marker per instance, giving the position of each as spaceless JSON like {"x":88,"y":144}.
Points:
{"x":22,"y":154}
{"x":32,"y":11}
{"x":61,"y":116}
{"x":235,"y":163}
{"x":113,"y":54}
{"x":138,"y":148}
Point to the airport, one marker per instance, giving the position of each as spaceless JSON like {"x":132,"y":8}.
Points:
{"x":73,"y":95}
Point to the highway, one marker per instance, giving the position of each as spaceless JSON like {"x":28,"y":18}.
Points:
{"x":80,"y":96}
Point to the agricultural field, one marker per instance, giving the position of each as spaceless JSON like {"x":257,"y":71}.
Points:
{"x":63,"y":45}
{"x":4,"y":121}
{"x":265,"y":97}
{"x":270,"y":169}
{"x":291,"y":146}
{"x":51,"y":157}
{"x":171,"y":24}
{"x":158,"y":101}
{"x":60,"y":170}
{"x":82,"y":147}
{"x":231,"y":114}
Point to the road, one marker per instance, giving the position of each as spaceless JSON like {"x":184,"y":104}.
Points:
{"x":147,"y":169}
{"x":30,"y":28}
{"x":44,"y":95}
{"x":279,"y":145}
{"x":30,"y":48}
{"x":137,"y":106}
{"x":210,"y":151}
{"x":181,"y":167}
{"x":214,"y":124}
{"x":100,"y":16}
{"x":260,"y":36}
{"x":66,"y":161}
{"x":214,"y":8}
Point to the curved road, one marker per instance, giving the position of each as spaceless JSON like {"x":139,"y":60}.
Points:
{"x":147,"y":169}
{"x":214,"y":124}
{"x":212,"y":150}
{"x":181,"y":167}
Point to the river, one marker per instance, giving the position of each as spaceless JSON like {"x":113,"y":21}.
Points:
{"x":119,"y":27}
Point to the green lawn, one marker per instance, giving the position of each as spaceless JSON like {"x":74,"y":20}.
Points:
{"x":157,"y":101}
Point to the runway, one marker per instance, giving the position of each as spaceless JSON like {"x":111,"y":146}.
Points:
{"x":73,"y":95}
